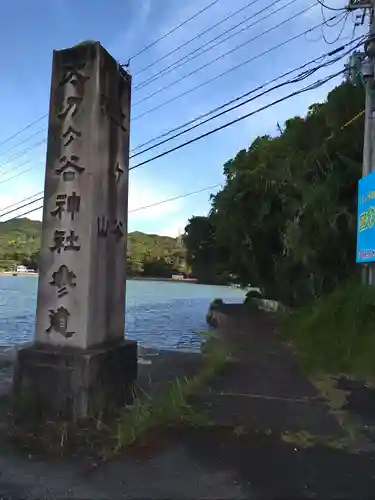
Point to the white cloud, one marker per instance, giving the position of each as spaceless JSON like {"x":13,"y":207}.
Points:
{"x":174,"y":228}
{"x":145,"y":192}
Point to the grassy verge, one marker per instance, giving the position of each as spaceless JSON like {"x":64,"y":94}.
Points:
{"x":335,"y":337}
{"x":99,"y":440}
{"x":335,"y":334}
{"x":173,"y":408}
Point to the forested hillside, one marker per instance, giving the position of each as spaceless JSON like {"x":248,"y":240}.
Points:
{"x":286,"y":218}
{"x":148,"y":254}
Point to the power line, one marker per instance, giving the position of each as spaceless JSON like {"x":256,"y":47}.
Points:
{"x":22,"y":142}
{"x":139,"y":116}
{"x":132,"y":57}
{"x":257,"y":96}
{"x":22,"y":206}
{"x":186,"y":124}
{"x":184,"y":195}
{"x":19,"y":173}
{"x":205,"y":65}
{"x":239,"y":98}
{"x":23,"y":215}
{"x":212,"y":79}
{"x":230,"y":51}
{"x":20,"y":201}
{"x":222,"y":74}
{"x":232,"y":122}
{"x":175,"y":129}
{"x":18,"y":155}
{"x":171,"y":31}
{"x":268,"y":51}
{"x":349,"y":122}
{"x":331,"y":8}
{"x":343,"y":18}
{"x":22,"y":130}
{"x":186,"y":59}
{"x":196,"y":37}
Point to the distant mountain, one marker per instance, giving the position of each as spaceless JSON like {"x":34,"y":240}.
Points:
{"x":148,"y":254}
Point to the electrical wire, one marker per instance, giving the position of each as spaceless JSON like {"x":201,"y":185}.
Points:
{"x":243,"y":117}
{"x":196,"y":37}
{"x":19,"y":173}
{"x":132,"y":57}
{"x":186,"y":58}
{"x":185,"y":195}
{"x":22,"y":130}
{"x":349,"y":122}
{"x":345,"y":19}
{"x":206,"y":82}
{"x":297,"y":79}
{"x":204,"y":66}
{"x":331,"y":8}
{"x":22,"y":206}
{"x":177,"y":81}
{"x":256,"y":89}
{"x":156,"y":41}
{"x":20,"y":154}
{"x":168,"y":200}
{"x":239,"y":98}
{"x":162,"y":37}
{"x":23,"y":142}
{"x":22,"y":215}
{"x":20,"y":201}
{"x":210,"y":80}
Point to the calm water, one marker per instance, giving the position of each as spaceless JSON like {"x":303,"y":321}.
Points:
{"x":159,"y":314}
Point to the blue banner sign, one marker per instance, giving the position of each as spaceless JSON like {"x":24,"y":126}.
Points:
{"x":366,"y":219}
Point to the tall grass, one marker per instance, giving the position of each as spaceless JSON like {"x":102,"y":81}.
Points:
{"x":336,"y":333}
{"x":172,"y":408}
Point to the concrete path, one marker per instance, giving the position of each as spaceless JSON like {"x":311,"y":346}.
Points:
{"x":260,"y":395}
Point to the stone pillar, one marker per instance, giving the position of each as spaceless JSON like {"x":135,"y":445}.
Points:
{"x":79,"y":348}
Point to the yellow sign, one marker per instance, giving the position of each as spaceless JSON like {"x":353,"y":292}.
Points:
{"x":367,"y":219}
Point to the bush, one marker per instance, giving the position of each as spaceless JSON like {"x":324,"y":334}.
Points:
{"x":335,"y":334}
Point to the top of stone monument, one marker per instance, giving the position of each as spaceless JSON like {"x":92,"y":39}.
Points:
{"x":86,"y":42}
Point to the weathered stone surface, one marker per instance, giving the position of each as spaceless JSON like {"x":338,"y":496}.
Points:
{"x":75,"y":383}
{"x":81,"y":292}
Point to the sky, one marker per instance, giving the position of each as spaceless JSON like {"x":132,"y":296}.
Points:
{"x":32,"y":30}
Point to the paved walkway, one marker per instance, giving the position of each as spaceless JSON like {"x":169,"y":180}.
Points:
{"x":260,"y":395}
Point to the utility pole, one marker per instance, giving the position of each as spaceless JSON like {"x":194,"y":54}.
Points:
{"x":364,"y":63}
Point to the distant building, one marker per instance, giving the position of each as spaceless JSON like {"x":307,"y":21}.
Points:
{"x":178,"y":277}
{"x":22,"y":269}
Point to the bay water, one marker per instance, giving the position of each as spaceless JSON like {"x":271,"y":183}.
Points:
{"x":159,"y":314}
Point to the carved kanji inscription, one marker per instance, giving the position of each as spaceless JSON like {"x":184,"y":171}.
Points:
{"x":113,"y":112}
{"x":65,"y":203}
{"x":71,"y":107}
{"x":74,"y":76}
{"x":59,"y":322}
{"x":70,"y":135}
{"x":62,"y":279}
{"x":69,"y":167}
{"x":62,"y":241}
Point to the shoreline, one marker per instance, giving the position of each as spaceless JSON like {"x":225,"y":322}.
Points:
{"x":131,"y":278}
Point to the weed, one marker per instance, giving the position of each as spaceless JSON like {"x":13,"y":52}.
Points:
{"x":336,"y":333}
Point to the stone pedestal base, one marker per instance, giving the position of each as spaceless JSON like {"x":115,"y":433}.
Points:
{"x":74,"y":384}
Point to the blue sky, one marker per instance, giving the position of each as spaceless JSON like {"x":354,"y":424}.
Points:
{"x":31,"y":30}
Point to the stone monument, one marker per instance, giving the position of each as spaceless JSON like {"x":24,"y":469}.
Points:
{"x":80,"y":356}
